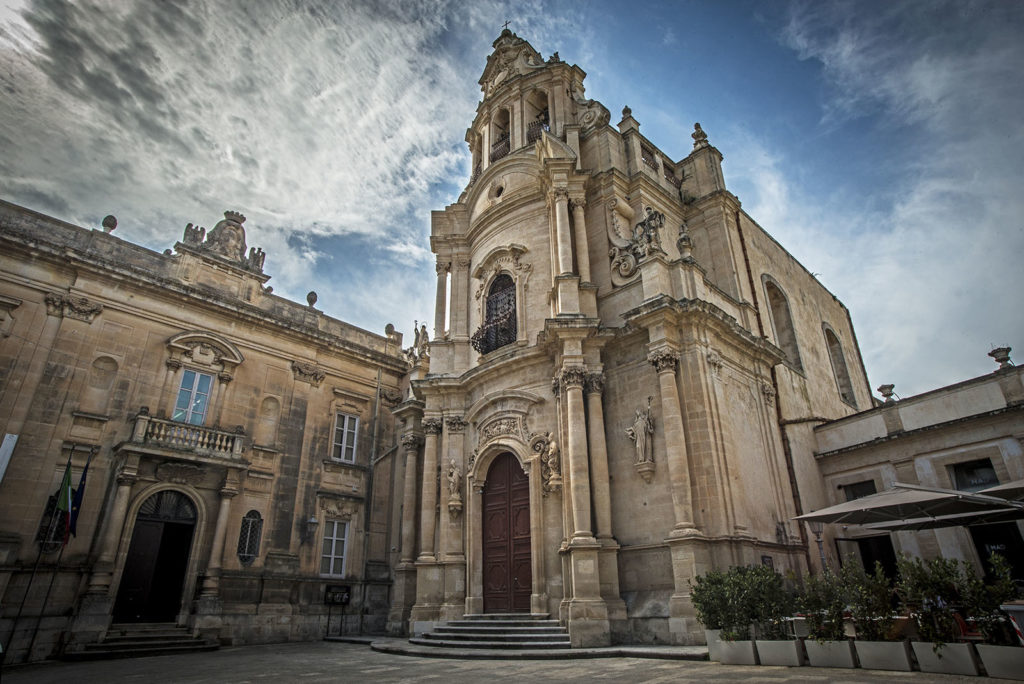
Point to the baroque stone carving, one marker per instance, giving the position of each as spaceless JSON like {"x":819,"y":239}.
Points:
{"x":715,"y":361}
{"x":684,"y":243}
{"x":512,"y":57}
{"x":410,"y":441}
{"x":626,"y":253}
{"x":227,"y":240}
{"x":663,"y":361}
{"x":595,"y":383}
{"x":180,"y":473}
{"x":432,"y":426}
{"x":507,"y":260}
{"x":769,"y":393}
{"x":308,"y":372}
{"x":590,"y":114}
{"x":499,"y":427}
{"x":71,"y":306}
{"x":550,"y":458}
{"x":572,"y":377}
{"x":455,"y":424}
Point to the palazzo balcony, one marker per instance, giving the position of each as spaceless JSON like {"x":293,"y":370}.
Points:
{"x":500,"y":148}
{"x":164,"y":434}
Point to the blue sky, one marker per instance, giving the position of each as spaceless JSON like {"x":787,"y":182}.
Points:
{"x":880,"y":142}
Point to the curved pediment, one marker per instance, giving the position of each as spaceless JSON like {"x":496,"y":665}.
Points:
{"x":205,"y":347}
{"x":503,"y":402}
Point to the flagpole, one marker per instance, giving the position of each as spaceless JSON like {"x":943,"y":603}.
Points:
{"x":46,"y":599}
{"x":28,"y":588}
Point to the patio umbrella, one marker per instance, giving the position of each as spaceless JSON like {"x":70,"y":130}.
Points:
{"x":908,"y":502}
{"x":993,"y":515}
{"x":1011,"y":491}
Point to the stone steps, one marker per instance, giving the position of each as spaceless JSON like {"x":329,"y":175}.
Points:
{"x":509,"y":631}
{"x":144,"y":639}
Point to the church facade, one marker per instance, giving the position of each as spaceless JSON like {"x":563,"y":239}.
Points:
{"x":623,"y":381}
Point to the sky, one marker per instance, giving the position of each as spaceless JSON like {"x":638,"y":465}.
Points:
{"x":881,"y":143}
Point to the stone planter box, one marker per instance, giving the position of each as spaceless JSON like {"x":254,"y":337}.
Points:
{"x":711,"y":636}
{"x":884,"y":655}
{"x":788,"y":653}
{"x":737,"y":652}
{"x":1002,"y":661}
{"x":951,"y":659}
{"x":830,"y":653}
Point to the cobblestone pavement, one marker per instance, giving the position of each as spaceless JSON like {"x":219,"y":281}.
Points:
{"x":355,"y":663}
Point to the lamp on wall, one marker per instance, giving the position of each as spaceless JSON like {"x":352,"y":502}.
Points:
{"x":817,"y":527}
{"x":310,"y":529}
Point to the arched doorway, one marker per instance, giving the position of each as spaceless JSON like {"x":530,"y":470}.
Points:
{"x":506,"y":538}
{"x":154,"y":571}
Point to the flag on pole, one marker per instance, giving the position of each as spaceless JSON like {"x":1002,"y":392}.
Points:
{"x":76,"y":502}
{"x":64,"y":498}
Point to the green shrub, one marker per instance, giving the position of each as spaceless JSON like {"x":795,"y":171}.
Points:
{"x":823,"y":602}
{"x":744,"y":595}
{"x":982,"y":598}
{"x":708,"y":595}
{"x":930,"y":591}
{"x":870,"y":601}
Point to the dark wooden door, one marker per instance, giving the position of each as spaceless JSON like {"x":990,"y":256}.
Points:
{"x":154,"y":570}
{"x":506,"y":538}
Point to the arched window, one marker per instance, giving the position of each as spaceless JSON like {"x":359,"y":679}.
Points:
{"x":249,"y":537}
{"x":538,"y":116}
{"x":835,"y":355}
{"x":499,"y":326}
{"x":785,"y":334}
{"x":500,"y":135}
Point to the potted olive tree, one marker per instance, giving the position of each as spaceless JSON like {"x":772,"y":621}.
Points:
{"x":930,"y":591}
{"x":823,"y":602}
{"x":879,"y":646}
{"x":708,"y":595}
{"x":773,"y":604}
{"x":1001,"y":652}
{"x":737,"y":646}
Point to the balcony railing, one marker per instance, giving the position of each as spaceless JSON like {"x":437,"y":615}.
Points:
{"x":183,"y":436}
{"x":495,"y":333}
{"x":533,"y":131}
{"x":647,"y":156}
{"x":500,"y":148}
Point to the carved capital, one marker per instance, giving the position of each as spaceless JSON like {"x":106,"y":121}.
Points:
{"x":432,"y":426}
{"x":714,"y":361}
{"x":308,"y":372}
{"x":769,"y":393}
{"x":663,"y":361}
{"x":595,"y":383}
{"x":561,"y":194}
{"x":54,"y":304}
{"x":573,"y":377}
{"x":78,"y":308}
{"x":172,"y":364}
{"x":410,"y":441}
{"x":455,"y":424}
{"x":225,"y":377}
{"x":442,"y":267}
{"x":577,"y":203}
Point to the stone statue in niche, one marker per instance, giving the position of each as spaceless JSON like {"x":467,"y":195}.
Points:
{"x":641,"y":432}
{"x":555,"y":480}
{"x":454,"y":488}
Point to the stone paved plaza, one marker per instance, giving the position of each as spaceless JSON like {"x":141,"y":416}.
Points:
{"x":355,"y":663}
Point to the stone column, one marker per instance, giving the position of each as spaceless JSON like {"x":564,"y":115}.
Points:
{"x":36,"y":365}
{"x":428,"y":503}
{"x":441,"y":299}
{"x":573,"y":378}
{"x":211,"y":582}
{"x":170,"y":389}
{"x":99,"y":582}
{"x":598,"y":456}
{"x":582,"y":250}
{"x":411,"y":443}
{"x":665,"y":363}
{"x":451,"y":552}
{"x":562,"y":231}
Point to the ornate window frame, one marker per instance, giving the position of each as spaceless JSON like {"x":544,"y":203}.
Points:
{"x":506,"y":259}
{"x":840,"y":369}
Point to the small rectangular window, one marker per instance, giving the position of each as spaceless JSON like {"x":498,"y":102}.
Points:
{"x":974,"y":475}
{"x":332,"y":560}
{"x":858,"y":490}
{"x":193,"y":398}
{"x":345,"y":428}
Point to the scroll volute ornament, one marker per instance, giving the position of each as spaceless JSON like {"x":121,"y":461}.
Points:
{"x":663,"y":361}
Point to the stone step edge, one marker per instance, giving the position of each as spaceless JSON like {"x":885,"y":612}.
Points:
{"x":506,"y":616}
{"x":526,"y":629}
{"x":119,"y":645}
{"x":509,"y":645}
{"x":110,"y":654}
{"x":500,"y":636}
{"x":406,"y":649}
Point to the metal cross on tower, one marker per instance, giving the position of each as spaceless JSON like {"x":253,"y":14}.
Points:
{"x":506,"y":25}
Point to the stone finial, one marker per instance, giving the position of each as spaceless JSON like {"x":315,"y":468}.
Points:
{"x":1002,"y":357}
{"x":109,"y":223}
{"x":311,"y":298}
{"x":887,"y":391}
{"x":700,"y":138}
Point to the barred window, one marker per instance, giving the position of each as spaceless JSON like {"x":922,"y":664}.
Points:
{"x":499,"y":326}
{"x":249,"y":537}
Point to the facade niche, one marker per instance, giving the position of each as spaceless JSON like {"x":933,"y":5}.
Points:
{"x":835,"y":355}
{"x":266,"y":426}
{"x":782,"y":322}
{"x":101,"y":379}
